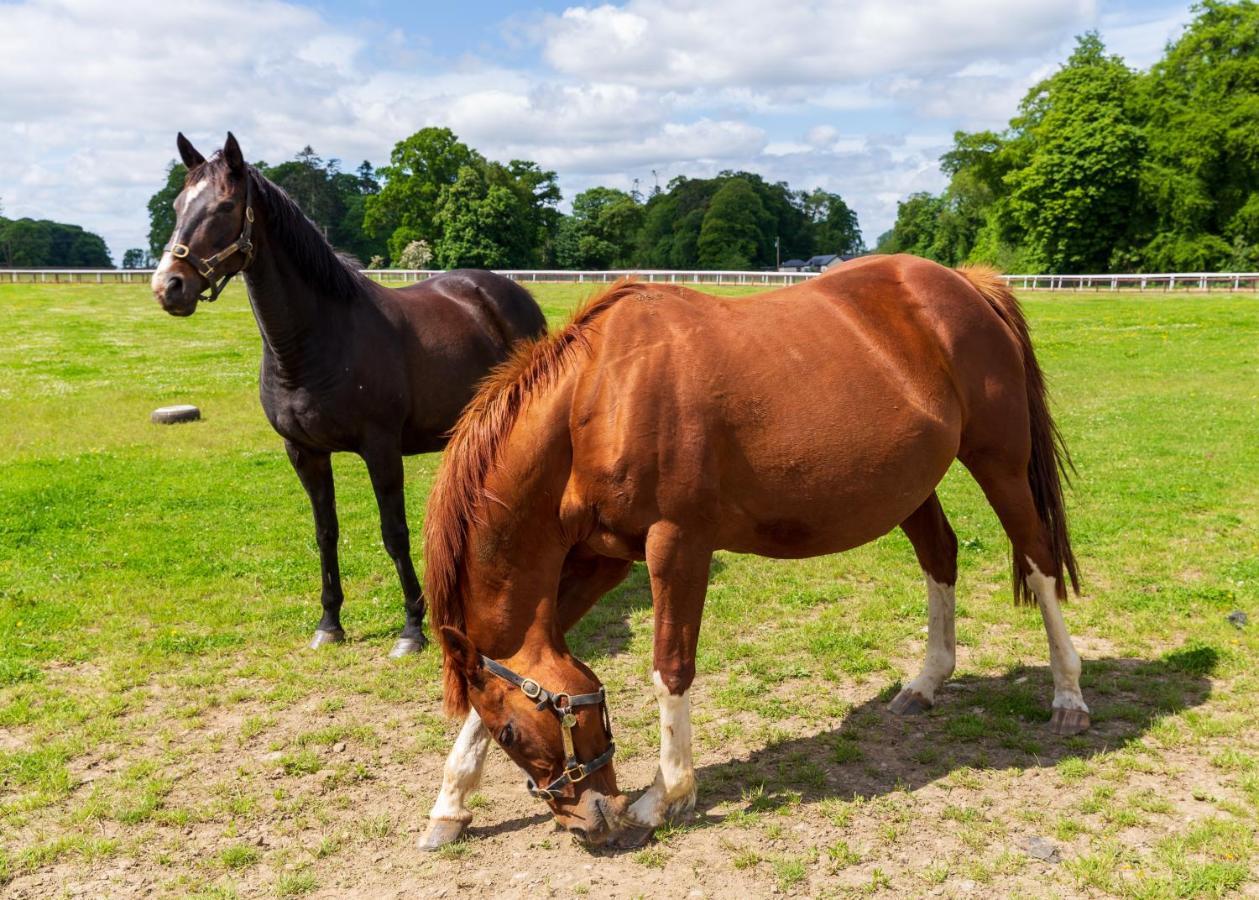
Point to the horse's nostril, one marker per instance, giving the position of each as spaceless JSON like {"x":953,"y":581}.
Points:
{"x":580,"y":834}
{"x":174,"y":285}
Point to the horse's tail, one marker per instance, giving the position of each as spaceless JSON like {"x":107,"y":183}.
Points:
{"x":1050,"y":465}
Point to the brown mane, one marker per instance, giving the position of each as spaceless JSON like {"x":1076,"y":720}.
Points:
{"x":472,"y":452}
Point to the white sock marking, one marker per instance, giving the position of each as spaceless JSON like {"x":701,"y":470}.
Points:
{"x":1064,"y":662}
{"x":675,"y":778}
{"x":941,"y":640}
{"x":463,"y":771}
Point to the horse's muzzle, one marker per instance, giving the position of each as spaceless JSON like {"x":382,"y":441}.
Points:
{"x":599,"y":819}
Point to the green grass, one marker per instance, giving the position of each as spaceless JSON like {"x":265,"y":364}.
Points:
{"x":157,"y":584}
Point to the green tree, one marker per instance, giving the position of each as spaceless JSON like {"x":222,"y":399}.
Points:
{"x":732,"y":232}
{"x":1200,"y":183}
{"x":31,"y":243}
{"x":495,"y":216}
{"x":917,"y":224}
{"x":1077,"y":148}
{"x":602,"y":231}
{"x":834,"y":227}
{"x":162,"y":207}
{"x":136,"y":258}
{"x":420,"y":168}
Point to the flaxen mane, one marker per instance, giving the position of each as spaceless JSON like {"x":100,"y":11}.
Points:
{"x":474,"y":447}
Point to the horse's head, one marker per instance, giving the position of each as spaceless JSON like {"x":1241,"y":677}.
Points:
{"x":212,"y":240}
{"x":551,"y":719}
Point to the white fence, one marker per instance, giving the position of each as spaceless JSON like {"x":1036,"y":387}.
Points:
{"x":1174,"y":281}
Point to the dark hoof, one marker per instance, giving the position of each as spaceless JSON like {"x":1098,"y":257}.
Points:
{"x":909,"y":703}
{"x":1067,"y":722}
{"x":323,"y":638}
{"x":440,"y":833}
{"x":629,"y":837}
{"x":408,"y":646}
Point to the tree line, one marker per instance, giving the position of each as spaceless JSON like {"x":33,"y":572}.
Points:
{"x":38,"y":243}
{"x":1106,"y":169}
{"x":440,"y":202}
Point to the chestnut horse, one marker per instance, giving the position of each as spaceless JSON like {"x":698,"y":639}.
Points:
{"x":663,"y":424}
{"x":347,"y":365}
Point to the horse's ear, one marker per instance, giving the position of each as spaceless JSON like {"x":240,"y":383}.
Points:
{"x":463,"y":654}
{"x":231,"y":153}
{"x":187,"y":152}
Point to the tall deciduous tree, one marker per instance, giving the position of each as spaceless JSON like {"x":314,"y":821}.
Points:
{"x":420,"y":168}
{"x":733,"y":228}
{"x":162,"y":207}
{"x":1078,"y":148}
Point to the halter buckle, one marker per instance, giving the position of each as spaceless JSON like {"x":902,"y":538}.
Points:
{"x":582,"y":773}
{"x":179,"y":251}
{"x":531,"y":689}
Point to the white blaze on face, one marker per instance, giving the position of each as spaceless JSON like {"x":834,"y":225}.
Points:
{"x":675,"y":779}
{"x":463,"y":771}
{"x":1063,"y":660}
{"x":162,"y":272}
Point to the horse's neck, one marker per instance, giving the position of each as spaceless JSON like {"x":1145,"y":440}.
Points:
{"x":291,"y":316}
{"x":514,"y":550}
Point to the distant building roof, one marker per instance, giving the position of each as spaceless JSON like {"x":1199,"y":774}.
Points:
{"x":793,"y":263}
{"x":822,"y":261}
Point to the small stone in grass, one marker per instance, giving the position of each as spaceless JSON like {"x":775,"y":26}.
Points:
{"x":1238,"y":618}
{"x":173,"y":415}
{"x":1039,"y":848}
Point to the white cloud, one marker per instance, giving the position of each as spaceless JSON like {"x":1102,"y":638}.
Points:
{"x":858,"y":97}
{"x":682,"y":44}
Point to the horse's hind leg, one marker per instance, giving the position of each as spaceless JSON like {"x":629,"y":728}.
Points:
{"x":314,"y":468}
{"x":1010,"y":494}
{"x":384,"y":465}
{"x":936,"y":547}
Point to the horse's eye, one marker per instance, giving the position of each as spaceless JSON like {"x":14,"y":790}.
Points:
{"x":506,"y":736}
{"x":226,"y":206}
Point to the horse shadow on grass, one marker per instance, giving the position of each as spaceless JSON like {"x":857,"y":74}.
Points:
{"x":979,"y":722}
{"x":982,"y":723}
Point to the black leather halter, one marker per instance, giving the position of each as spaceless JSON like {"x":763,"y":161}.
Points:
{"x":206,"y":267}
{"x":562,"y":705}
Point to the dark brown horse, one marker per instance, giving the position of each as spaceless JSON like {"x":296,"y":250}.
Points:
{"x":663,"y":424}
{"x":347,"y":365}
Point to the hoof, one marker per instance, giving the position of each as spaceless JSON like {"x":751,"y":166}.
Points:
{"x":1067,"y":722}
{"x":680,"y":809}
{"x":630,"y":836}
{"x":407,"y":646}
{"x":909,"y":703}
{"x":323,"y":638}
{"x":440,"y":833}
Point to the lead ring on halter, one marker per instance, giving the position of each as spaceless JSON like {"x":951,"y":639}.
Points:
{"x":561,"y":704}
{"x":243,"y":244}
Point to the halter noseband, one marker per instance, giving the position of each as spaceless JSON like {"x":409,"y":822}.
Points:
{"x":243,"y":244}
{"x":562,"y":705}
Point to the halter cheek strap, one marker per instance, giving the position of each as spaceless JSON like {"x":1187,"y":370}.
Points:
{"x":207,"y":267}
{"x":562,"y":705}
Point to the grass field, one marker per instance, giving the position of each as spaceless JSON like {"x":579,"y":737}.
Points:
{"x":162,"y":730}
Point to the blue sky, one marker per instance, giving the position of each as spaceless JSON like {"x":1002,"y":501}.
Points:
{"x":858,"y":97}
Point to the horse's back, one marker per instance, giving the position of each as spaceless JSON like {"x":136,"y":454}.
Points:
{"x":476,"y":299}
{"x":803,"y":421}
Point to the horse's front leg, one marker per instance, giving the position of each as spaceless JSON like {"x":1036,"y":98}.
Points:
{"x":384,"y":466}
{"x":679,"y":581}
{"x":450,"y":814}
{"x":314,"y":468}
